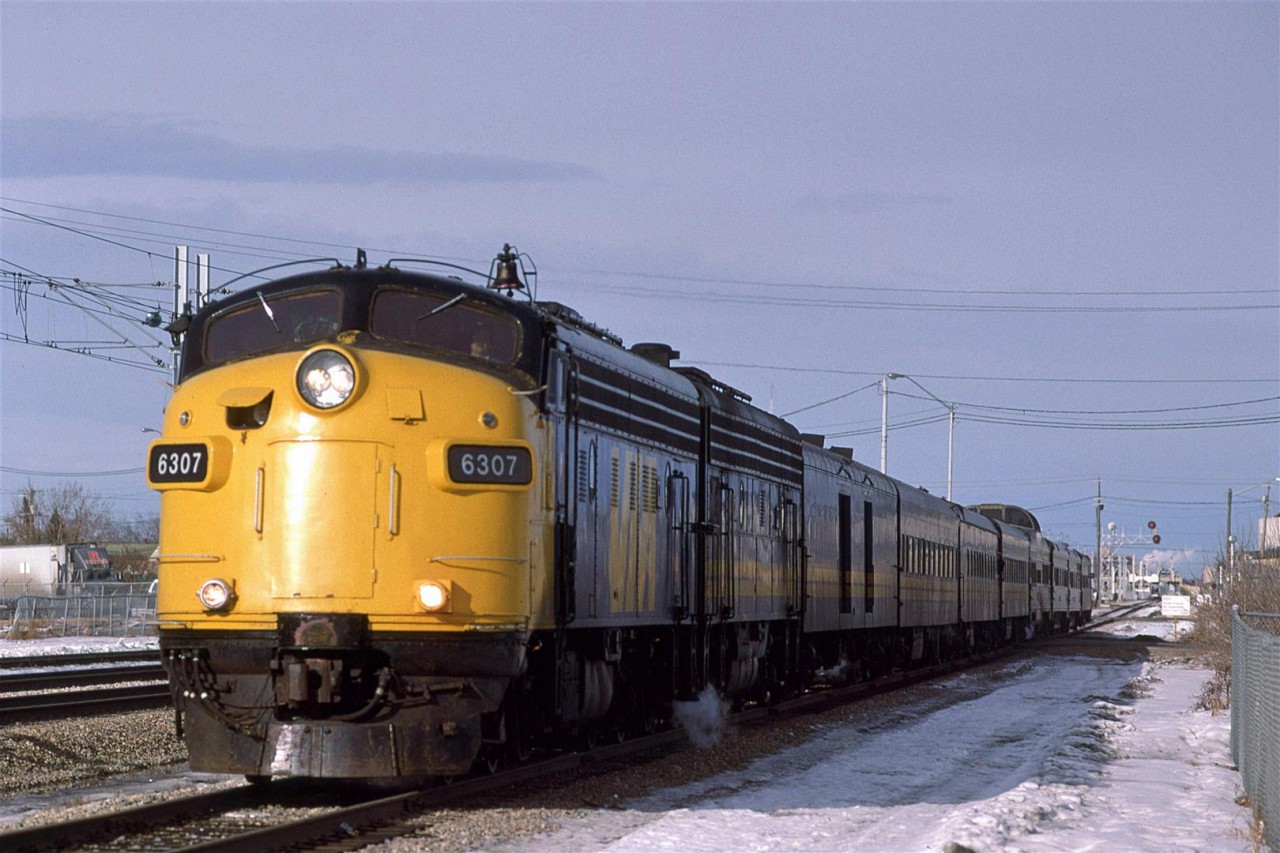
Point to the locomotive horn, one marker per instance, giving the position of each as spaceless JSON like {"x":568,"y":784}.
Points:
{"x":507,"y":276}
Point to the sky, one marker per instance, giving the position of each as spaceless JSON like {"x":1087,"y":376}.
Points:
{"x":1061,"y":219}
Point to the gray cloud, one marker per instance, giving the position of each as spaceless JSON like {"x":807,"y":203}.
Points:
{"x":59,"y":146}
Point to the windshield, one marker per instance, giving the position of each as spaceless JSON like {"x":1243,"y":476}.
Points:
{"x":271,"y":323}
{"x":454,"y":324}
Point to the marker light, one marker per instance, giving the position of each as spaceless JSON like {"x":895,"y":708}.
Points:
{"x":433,"y":596}
{"x":215,"y":594}
{"x":326,"y":379}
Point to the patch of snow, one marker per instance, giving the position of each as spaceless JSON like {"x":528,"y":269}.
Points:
{"x":1055,"y":754}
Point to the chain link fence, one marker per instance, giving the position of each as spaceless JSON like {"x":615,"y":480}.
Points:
{"x":1255,"y":713}
{"x":92,"y":610}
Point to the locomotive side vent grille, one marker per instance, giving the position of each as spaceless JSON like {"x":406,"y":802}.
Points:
{"x":584,"y":483}
{"x":651,"y":489}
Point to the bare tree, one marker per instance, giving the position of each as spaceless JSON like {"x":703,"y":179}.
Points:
{"x":140,"y":528}
{"x":67,"y":513}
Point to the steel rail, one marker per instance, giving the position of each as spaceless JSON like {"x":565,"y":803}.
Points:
{"x":79,"y":659}
{"x":380,"y":818}
{"x":71,"y":678}
{"x":29,"y":707}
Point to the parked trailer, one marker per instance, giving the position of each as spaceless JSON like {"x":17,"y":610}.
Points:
{"x":51,"y":569}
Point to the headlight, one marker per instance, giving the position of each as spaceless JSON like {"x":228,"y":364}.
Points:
{"x":215,"y":594}
{"x":326,"y":378}
{"x":433,"y":596}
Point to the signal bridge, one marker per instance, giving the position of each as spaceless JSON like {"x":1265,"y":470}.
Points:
{"x":1120,"y":578}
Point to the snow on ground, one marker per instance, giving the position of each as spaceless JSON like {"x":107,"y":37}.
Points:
{"x":1055,"y":754}
{"x":73,"y":646}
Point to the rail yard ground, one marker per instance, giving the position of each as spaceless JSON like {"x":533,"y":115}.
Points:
{"x":1086,"y":748}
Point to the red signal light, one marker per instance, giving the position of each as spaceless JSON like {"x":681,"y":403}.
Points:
{"x":1151,"y":525}
{"x":1156,"y":539}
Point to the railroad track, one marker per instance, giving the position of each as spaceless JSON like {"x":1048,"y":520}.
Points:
{"x":47,"y":661}
{"x":75,"y":678}
{"x":30,"y":707}
{"x":26,"y":695}
{"x":228,"y":820}
{"x":231,"y":819}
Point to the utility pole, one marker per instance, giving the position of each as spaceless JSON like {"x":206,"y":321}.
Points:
{"x":179,"y":297}
{"x":202,"y":280}
{"x":884,"y":422}
{"x":1097,"y":553}
{"x":1266,"y":513}
{"x":1231,"y":549}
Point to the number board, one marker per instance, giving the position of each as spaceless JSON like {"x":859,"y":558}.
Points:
{"x":178,"y":463}
{"x":508,"y":466}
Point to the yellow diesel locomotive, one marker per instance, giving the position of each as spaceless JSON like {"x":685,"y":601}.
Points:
{"x":409,"y":524}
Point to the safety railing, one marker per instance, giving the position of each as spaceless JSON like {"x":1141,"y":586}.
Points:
{"x":1255,"y":713}
{"x":90,"y":610}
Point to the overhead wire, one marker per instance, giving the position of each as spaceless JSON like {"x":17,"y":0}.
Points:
{"x":838,"y":304}
{"x":832,"y":400}
{"x":102,"y":299}
{"x":949,"y":376}
{"x":733,"y":282}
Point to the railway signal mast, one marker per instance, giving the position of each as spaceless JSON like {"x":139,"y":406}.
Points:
{"x":1117,"y":573}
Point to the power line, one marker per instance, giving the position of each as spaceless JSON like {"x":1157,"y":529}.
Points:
{"x":30,"y":473}
{"x":227,"y":231}
{"x":1021,"y":291}
{"x":742,"y":299}
{"x":825,"y":402}
{"x":944,"y":376}
{"x":1222,"y":423}
{"x":1098,"y":411}
{"x":75,"y":231}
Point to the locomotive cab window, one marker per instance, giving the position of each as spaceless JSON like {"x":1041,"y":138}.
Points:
{"x":278,"y":322}
{"x":442,"y":322}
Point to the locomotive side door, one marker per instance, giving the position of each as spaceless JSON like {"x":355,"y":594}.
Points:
{"x":562,"y":401}
{"x":678,"y":496}
{"x":793,"y":554}
{"x":721,"y":581}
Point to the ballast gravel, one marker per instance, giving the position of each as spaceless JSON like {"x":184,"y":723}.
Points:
{"x":58,"y":759}
{"x":54,"y":754}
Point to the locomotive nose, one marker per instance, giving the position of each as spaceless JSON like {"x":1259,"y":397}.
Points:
{"x":322,"y":519}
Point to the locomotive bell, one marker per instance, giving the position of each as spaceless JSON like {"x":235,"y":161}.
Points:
{"x":507,"y":275}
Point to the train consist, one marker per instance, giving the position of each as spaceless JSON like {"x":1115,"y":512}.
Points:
{"x":409,"y":524}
